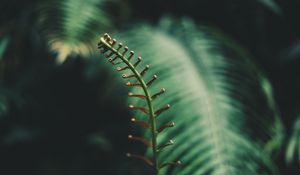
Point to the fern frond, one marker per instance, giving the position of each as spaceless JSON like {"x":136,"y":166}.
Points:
{"x":223,"y":116}
{"x":117,"y":56}
{"x":71,"y":26}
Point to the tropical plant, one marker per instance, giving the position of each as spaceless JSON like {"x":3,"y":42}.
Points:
{"x":228,"y":70}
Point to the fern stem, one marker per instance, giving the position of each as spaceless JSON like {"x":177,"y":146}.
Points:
{"x":149,"y":103}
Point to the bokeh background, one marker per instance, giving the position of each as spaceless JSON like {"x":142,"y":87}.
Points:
{"x":63,"y":109}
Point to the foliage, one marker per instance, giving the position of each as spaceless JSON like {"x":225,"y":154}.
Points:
{"x":230,"y":70}
{"x":71,"y":26}
{"x":212,"y":66}
{"x":294,"y":143}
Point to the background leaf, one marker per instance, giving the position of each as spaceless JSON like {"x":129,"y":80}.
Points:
{"x":293,"y":147}
{"x":272,"y":5}
{"x":72,"y":26}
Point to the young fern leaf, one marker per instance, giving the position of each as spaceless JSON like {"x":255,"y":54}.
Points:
{"x":116,"y":55}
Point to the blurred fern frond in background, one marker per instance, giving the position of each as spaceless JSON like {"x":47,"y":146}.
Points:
{"x":230,"y":69}
{"x":72,"y":26}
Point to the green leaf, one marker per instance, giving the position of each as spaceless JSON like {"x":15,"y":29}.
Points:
{"x":3,"y":46}
{"x":222,"y":112}
{"x":293,"y":148}
{"x":72,"y":26}
{"x":272,"y":5}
